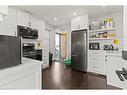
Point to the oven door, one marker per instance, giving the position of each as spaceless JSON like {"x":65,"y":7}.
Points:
{"x":32,"y":55}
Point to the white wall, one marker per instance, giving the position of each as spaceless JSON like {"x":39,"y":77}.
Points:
{"x":118,"y":22}
{"x":52,"y":39}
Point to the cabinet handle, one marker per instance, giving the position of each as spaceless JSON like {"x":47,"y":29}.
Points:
{"x":106,"y":58}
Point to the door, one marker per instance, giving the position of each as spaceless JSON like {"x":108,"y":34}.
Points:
{"x":79,"y":50}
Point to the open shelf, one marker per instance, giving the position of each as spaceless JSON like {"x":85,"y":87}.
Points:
{"x":101,"y":30}
{"x":102,"y":38}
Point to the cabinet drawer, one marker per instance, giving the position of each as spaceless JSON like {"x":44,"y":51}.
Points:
{"x":96,"y":59}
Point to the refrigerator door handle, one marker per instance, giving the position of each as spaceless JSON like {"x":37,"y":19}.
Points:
{"x":85,"y":40}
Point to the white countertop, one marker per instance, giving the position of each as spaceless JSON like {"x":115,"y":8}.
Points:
{"x":26,"y":63}
{"x":28,"y":60}
{"x":11,"y":75}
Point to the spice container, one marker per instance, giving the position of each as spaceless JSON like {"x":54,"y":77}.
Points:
{"x":109,"y":23}
{"x":105,"y":35}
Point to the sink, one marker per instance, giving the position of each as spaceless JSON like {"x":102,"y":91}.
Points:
{"x":122,"y":74}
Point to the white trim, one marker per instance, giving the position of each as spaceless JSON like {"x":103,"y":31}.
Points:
{"x":45,"y":66}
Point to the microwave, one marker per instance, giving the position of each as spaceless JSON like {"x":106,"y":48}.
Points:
{"x":26,"y":32}
{"x":94,"y":46}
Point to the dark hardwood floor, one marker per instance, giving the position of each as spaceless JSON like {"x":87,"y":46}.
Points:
{"x":58,"y":76}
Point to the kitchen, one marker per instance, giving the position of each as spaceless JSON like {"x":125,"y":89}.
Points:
{"x":105,"y":34}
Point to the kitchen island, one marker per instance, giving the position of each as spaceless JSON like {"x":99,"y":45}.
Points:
{"x":24,"y":76}
{"x":115,"y":63}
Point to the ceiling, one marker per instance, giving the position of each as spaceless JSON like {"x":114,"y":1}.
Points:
{"x":65,"y":13}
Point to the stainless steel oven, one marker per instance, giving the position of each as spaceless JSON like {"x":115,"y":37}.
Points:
{"x":30,"y":52}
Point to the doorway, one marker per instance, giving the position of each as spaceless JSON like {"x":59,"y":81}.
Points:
{"x":57,"y":46}
{"x":61,"y":46}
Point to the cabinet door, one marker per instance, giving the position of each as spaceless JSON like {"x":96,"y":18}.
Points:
{"x":91,"y":67}
{"x":97,"y":63}
{"x":41,"y":29}
{"x":33,"y":21}
{"x":28,"y":79}
{"x":83,"y":22}
{"x":22,"y":18}
{"x":114,"y":63}
{"x":74,"y":23}
{"x":101,"y":64}
{"x":4,"y":10}
{"x":80,"y":22}
{"x":9,"y":24}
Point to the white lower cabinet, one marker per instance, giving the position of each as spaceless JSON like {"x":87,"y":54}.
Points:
{"x":97,"y":63}
{"x":125,"y":66}
{"x":24,"y":76}
{"x":114,"y":63}
{"x":19,"y":83}
{"x":79,"y":22}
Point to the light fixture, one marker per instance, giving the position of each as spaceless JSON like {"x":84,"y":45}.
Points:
{"x":55,"y":19}
{"x":74,"y":13}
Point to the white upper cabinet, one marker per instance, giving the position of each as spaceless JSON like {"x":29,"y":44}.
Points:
{"x":41,"y":29}
{"x":38,"y":24}
{"x":29,"y":20}
{"x":80,"y":22}
{"x":33,"y":21}
{"x":22,"y":18}
{"x":4,"y":10}
{"x":9,"y":24}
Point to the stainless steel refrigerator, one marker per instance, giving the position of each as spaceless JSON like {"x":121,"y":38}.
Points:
{"x":79,"y":50}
